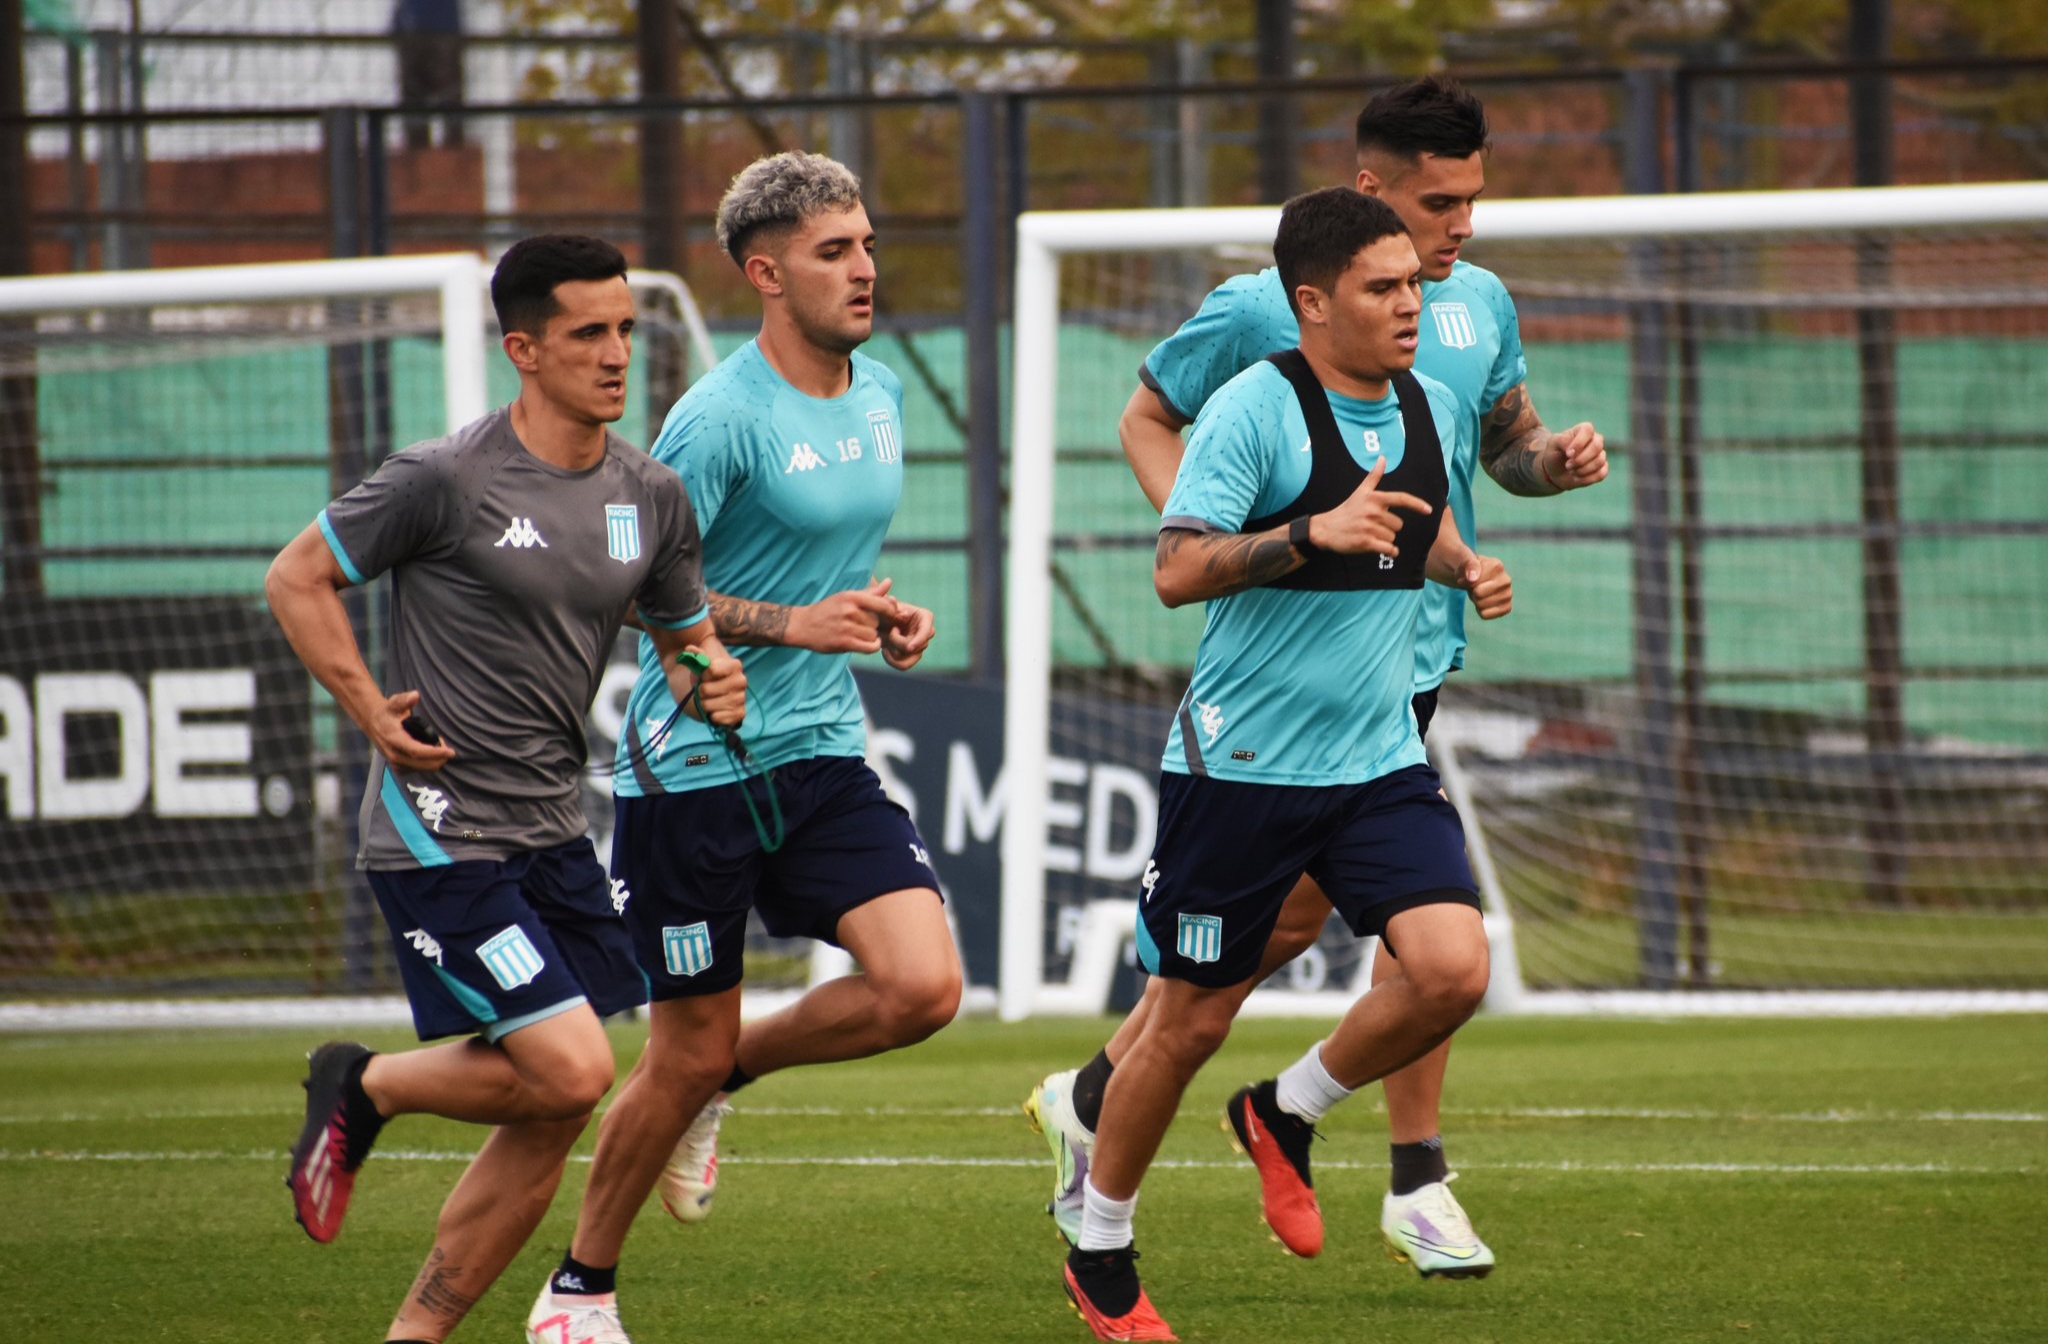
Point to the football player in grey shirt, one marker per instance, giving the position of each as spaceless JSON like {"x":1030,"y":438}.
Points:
{"x":515,"y":545}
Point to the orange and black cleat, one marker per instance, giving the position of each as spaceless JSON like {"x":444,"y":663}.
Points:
{"x":1277,"y":1143}
{"x":1104,"y":1288}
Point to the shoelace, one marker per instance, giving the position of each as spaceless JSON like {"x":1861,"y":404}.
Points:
{"x":1445,"y":1212}
{"x":596,"y":1325}
{"x":703,"y":1131}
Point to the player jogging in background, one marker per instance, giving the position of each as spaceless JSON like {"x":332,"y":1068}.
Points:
{"x":792,"y":452}
{"x":1420,"y":149}
{"x":516,"y":545}
{"x":1311,"y":505}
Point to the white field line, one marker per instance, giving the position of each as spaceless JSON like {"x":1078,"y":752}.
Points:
{"x":921,"y":1160}
{"x":1830,"y":1117}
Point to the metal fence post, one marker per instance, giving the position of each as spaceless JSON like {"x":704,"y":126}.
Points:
{"x":981,"y":265}
{"x":1656,"y":841}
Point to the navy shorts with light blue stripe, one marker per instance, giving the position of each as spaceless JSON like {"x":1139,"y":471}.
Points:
{"x":491,"y":945}
{"x":695,"y":866}
{"x":1228,"y":852}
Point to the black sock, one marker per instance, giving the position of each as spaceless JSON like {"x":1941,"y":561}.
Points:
{"x":735,"y":1080}
{"x":360,"y":1113}
{"x":1417,"y":1164}
{"x":1089,"y":1085}
{"x":576,"y":1277}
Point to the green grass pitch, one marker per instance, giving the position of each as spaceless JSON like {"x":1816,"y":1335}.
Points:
{"x":1641,"y":1181}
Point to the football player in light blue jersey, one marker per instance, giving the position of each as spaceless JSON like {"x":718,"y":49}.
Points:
{"x":1312,"y":505}
{"x":1420,"y":149}
{"x":791,"y":449}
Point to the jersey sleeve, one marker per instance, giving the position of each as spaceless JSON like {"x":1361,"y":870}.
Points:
{"x":1234,"y":329}
{"x":1228,"y":459}
{"x":674,"y":594}
{"x":1510,"y":368}
{"x":402,"y":511}
{"x":1455,"y":433}
{"x":701,"y":442}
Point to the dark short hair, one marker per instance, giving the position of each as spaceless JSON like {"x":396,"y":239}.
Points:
{"x":1432,"y":115}
{"x":523,"y":286}
{"x":1321,"y":232}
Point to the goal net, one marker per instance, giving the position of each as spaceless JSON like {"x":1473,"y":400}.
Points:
{"x":1768,"y":727}
{"x":176,"y":795}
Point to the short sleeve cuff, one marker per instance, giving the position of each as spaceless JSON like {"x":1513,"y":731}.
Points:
{"x":348,"y":566}
{"x":702,"y":613}
{"x":1187,"y":522}
{"x":1146,"y":377}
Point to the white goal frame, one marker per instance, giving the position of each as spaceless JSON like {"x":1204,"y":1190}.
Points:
{"x":1044,"y":238}
{"x":460,"y":281}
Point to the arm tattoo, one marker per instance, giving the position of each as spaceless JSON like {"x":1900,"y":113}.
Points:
{"x":739,"y":621}
{"x":1232,"y":561}
{"x":435,"y":1292}
{"x":1511,"y":443}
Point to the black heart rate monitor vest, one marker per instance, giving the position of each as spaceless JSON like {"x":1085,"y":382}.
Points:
{"x":1335,"y":475}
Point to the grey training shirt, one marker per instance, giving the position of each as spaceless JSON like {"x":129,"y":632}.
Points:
{"x":510,"y":577}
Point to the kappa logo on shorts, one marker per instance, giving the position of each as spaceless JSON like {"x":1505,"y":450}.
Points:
{"x":620,"y":895}
{"x":511,"y":958}
{"x":1149,"y":880}
{"x":622,"y":532}
{"x":1200,"y":937}
{"x":686,"y":950}
{"x":921,"y":854}
{"x":424,"y":943}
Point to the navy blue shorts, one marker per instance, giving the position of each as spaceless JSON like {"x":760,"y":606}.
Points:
{"x":493,"y":945}
{"x":695,"y":865}
{"x":1228,"y":852}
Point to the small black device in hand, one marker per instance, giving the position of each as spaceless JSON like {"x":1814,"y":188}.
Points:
{"x":420,"y":730}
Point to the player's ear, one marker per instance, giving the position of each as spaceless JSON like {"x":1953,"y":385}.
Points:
{"x":1368,"y":182}
{"x":1311,"y":303}
{"x":523,"y":350}
{"x":763,"y":273}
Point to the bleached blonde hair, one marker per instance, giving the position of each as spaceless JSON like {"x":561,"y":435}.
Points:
{"x":782,"y":190}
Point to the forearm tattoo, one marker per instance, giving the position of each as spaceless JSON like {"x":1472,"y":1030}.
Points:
{"x":1231,"y":561}
{"x":1511,"y":444}
{"x":739,"y":621}
{"x":434,"y":1290}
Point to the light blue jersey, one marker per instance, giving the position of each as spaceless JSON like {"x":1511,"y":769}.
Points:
{"x":1470,"y":341}
{"x":794,"y":494}
{"x":1294,"y":687}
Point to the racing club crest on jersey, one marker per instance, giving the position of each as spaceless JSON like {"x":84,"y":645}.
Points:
{"x":882,"y":430}
{"x":622,"y":532}
{"x":1454,"y":325}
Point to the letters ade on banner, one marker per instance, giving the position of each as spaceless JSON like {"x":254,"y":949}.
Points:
{"x":152,"y":744}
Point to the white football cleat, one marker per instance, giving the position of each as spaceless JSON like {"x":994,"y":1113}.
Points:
{"x":690,"y":1179}
{"x":1050,"y":1108}
{"x":1428,"y":1229}
{"x":574,"y":1320}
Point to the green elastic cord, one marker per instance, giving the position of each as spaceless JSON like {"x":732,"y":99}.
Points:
{"x":742,"y":764}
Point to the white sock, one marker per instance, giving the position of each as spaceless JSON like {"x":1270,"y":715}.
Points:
{"x":1305,"y":1088}
{"x":1105,"y":1222}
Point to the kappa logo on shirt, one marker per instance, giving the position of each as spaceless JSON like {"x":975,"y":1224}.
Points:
{"x":1212,"y":721}
{"x":432,"y":803}
{"x":522,"y":535}
{"x":803,"y":457}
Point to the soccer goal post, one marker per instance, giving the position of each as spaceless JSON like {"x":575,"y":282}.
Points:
{"x":1768,"y":728}
{"x":175,"y":791}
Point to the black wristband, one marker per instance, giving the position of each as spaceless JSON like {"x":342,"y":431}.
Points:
{"x":1297,"y":536}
